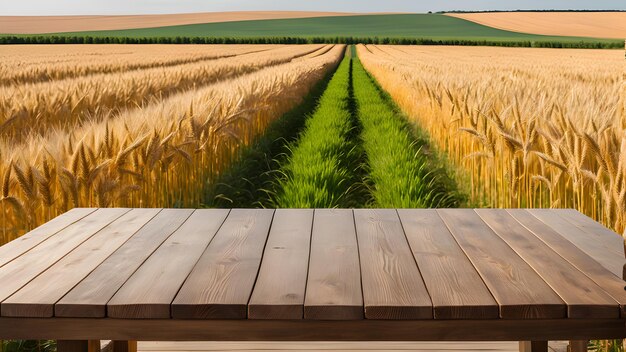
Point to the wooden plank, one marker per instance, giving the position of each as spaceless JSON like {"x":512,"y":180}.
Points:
{"x":611,"y":283}
{"x":151,"y":289}
{"x":584,"y":298}
{"x":517,"y":288}
{"x":24,"y":243}
{"x":333,"y":290}
{"x":612,"y":241}
{"x":90,"y":296}
{"x":593,"y":245}
{"x":311,"y":330}
{"x":455,"y":287}
{"x":23,"y":269}
{"x":38,"y":297}
{"x":280,"y":286}
{"x":392,"y":284}
{"x":220,"y":284}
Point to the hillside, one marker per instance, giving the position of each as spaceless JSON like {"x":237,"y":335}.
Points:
{"x":52,"y":24}
{"x":430,"y":26}
{"x":577,"y":24}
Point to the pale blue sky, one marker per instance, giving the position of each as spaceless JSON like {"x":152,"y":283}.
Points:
{"x":108,"y":7}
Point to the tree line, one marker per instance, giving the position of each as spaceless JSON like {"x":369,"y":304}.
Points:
{"x":69,"y":39}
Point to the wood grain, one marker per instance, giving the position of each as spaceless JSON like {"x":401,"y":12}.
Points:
{"x":281,"y":283}
{"x":517,"y":288}
{"x":334,"y":346}
{"x":311,"y":330}
{"x":333,"y":290}
{"x":220,"y":284}
{"x":24,"y":243}
{"x":609,"y":282}
{"x":38,"y":297}
{"x":590,"y":242}
{"x":149,"y":292}
{"x":584,"y":298}
{"x":90,"y":296}
{"x":23,"y":269}
{"x":392,"y":284}
{"x":455,"y":287}
{"x":611,"y":240}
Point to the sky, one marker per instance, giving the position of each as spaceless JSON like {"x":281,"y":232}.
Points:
{"x":112,"y":7}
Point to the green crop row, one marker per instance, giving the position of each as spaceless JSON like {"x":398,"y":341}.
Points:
{"x":357,"y":150}
{"x":319,"y":171}
{"x":401,"y":175}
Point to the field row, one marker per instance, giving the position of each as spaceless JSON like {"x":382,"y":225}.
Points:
{"x":526,"y":128}
{"x":356,"y":151}
{"x":160,"y":154}
{"x":66,"y":104}
{"x":51,"y":62}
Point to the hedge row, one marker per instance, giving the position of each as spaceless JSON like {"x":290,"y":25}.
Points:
{"x":302,"y":40}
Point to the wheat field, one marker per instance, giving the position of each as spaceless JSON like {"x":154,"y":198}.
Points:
{"x":158,"y":152}
{"x":524,"y":127}
{"x":35,"y":108}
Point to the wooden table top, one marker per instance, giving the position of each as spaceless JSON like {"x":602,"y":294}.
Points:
{"x":404,"y":264}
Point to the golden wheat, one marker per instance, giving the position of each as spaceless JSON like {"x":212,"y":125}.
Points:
{"x":38,"y":108}
{"x":529,"y":127}
{"x":33,"y":63}
{"x":162,"y":154}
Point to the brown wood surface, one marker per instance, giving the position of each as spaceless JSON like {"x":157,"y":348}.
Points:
{"x":609,"y":282}
{"x":24,"y":243}
{"x":26,"y":267}
{"x":328,"y":346}
{"x":93,"y":346}
{"x":333,"y":290}
{"x":613,"y":242}
{"x":124,"y":346}
{"x":280,"y":286}
{"x":392,"y":284}
{"x":533,"y":346}
{"x":578,"y":346}
{"x":584,"y":298}
{"x":73,"y":346}
{"x":517,"y":288}
{"x":152,"y":288}
{"x":454,"y":285}
{"x":220,"y":284}
{"x":311,"y":330}
{"x":38,"y":297}
{"x":413,"y":274}
{"x":592,"y":243}
{"x":90,"y":296}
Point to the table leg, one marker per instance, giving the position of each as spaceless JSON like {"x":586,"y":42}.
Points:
{"x":578,"y":346}
{"x":533,"y":346}
{"x":73,"y":346}
{"x":124,"y":346}
{"x":94,"y":346}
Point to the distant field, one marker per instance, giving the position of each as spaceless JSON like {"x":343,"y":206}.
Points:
{"x":55,"y":24}
{"x":577,"y":24}
{"x":430,"y":26}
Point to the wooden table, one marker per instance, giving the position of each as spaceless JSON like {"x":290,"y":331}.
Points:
{"x":314,"y":275}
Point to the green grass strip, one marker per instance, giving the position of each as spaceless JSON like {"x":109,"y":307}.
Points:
{"x":320,"y":170}
{"x":246,"y":183}
{"x":401,"y":176}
